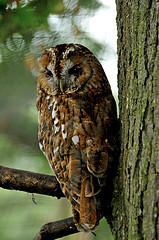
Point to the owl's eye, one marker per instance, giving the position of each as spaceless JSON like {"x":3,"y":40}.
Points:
{"x":49,"y":73}
{"x":75,"y":70}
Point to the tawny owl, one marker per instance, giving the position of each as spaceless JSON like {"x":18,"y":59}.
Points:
{"x":77,"y":126}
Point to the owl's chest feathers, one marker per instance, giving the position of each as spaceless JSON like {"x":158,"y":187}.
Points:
{"x":66,"y":123}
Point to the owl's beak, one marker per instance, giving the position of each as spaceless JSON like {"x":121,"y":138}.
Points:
{"x":61,"y":85}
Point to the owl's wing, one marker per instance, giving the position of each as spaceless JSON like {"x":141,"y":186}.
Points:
{"x":101,"y":145}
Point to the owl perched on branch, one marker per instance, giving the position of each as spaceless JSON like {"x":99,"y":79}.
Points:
{"x":77,"y":127}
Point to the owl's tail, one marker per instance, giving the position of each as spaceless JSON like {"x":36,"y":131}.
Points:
{"x":88,"y":216}
{"x":84,"y":205}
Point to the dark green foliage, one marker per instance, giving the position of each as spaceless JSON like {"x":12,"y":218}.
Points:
{"x":27,"y":18}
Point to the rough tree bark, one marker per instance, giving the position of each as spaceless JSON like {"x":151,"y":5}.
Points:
{"x":135,"y":205}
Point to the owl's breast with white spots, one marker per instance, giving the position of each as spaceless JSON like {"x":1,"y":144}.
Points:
{"x":63,"y":129}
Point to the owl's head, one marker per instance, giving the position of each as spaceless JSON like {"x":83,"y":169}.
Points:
{"x":68,"y":68}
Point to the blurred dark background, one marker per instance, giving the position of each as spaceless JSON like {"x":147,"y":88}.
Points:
{"x":26,"y":29}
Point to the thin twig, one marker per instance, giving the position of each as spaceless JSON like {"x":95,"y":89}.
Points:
{"x":31,"y":182}
{"x":54,"y":230}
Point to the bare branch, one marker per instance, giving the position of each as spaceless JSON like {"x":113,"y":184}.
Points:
{"x":31,"y":182}
{"x":54,"y":230}
{"x":14,"y":179}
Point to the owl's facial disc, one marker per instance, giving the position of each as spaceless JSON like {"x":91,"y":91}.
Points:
{"x":65,"y":67}
{"x":66,"y":79}
{"x":69,"y":77}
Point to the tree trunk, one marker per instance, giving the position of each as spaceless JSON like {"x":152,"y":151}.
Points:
{"x":135,"y":205}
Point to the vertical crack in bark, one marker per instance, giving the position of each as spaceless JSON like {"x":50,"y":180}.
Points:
{"x":140,"y":217}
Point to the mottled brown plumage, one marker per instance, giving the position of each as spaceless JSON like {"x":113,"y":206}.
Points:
{"x":77,"y":126}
